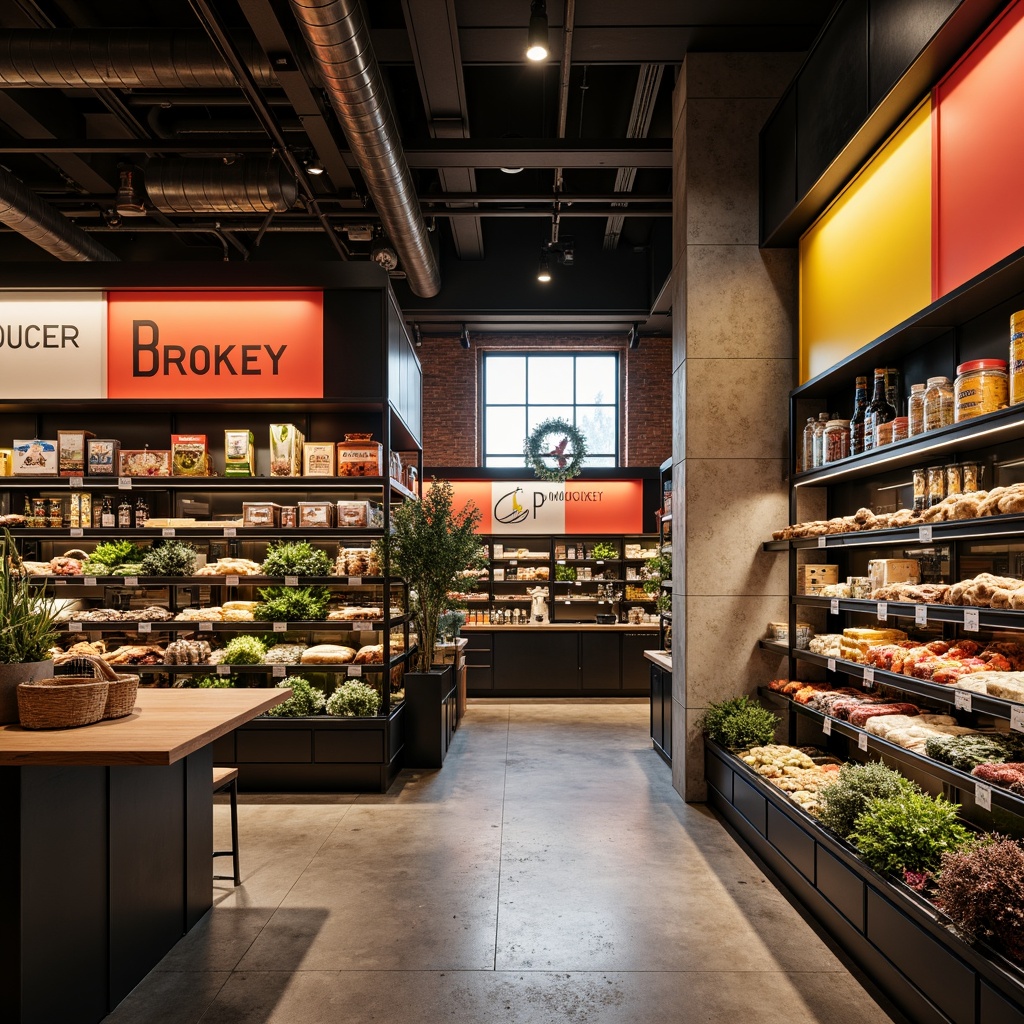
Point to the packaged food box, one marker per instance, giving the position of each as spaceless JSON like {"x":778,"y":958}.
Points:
{"x":884,"y":571}
{"x":360,"y":455}
{"x":6,"y":461}
{"x":317,"y":460}
{"x":79,"y":509}
{"x":144,"y":462}
{"x":35,"y":457}
{"x":261,"y":513}
{"x":189,"y":455}
{"x":810,"y":578}
{"x":286,"y":441}
{"x":316,"y":514}
{"x":71,"y":451}
{"x":102,"y":456}
{"x":239,"y":453}
{"x":361,"y":515}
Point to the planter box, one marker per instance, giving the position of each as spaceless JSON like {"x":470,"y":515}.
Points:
{"x":431,"y":716}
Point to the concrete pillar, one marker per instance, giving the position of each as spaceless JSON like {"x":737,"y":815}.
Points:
{"x":733,"y":365}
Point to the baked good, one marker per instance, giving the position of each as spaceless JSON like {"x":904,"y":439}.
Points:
{"x":187,"y":652}
{"x":372,"y":654}
{"x":327,"y":654}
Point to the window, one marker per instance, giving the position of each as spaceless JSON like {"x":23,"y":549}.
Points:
{"x":521,"y":391}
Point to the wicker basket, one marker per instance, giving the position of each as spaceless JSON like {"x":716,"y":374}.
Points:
{"x":61,"y":702}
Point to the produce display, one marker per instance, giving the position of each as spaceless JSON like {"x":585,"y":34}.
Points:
{"x":850,"y":791}
{"x":1009,"y":775}
{"x":793,"y":771}
{"x":305,"y":700}
{"x":968,"y":752}
{"x":738,"y":723}
{"x":353,"y":699}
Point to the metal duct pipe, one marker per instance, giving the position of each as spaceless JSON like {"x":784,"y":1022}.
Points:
{"x":23,"y":211}
{"x":123,"y":58}
{"x":211,"y":186}
{"x":339,"y":39}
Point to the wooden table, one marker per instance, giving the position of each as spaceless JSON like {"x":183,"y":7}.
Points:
{"x":106,"y":851}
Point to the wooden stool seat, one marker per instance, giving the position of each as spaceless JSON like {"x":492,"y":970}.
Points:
{"x":227,"y":778}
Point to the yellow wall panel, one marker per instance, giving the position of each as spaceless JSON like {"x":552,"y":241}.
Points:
{"x":865,"y":264}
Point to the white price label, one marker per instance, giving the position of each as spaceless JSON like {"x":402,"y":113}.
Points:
{"x":600,"y":561}
{"x":167,"y":531}
{"x":831,"y":664}
{"x":89,"y":581}
{"x":983,"y":796}
{"x":869,"y":675}
{"x":291,"y":581}
{"x":883,"y":610}
{"x":76,"y":483}
{"x":971,"y":620}
{"x":567,"y":601}
{"x":131,"y":581}
{"x":560,"y":561}
{"x":61,"y":583}
{"x":355,"y":670}
{"x":145,"y":627}
{"x":600,"y":600}
{"x":833,"y":606}
{"x":280,"y":627}
{"x":578,"y":584}
{"x":962,"y":700}
{"x":124,"y":483}
{"x":924,"y":534}
{"x":821,"y":542}
{"x":230,"y":531}
{"x":362,"y":626}
{"x":223,"y":670}
{"x":921,"y":615}
{"x":75,"y":627}
{"x":205,"y":627}
{"x":826,"y":727}
{"x":1017,"y":719}
{"x":513,"y":561}
{"x":355,"y":581}
{"x":279,"y":671}
{"x":862,"y":740}
{"x":77,"y":531}
{"x":231,"y":581}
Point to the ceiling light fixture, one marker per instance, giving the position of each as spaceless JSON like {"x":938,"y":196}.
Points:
{"x":313,"y":166}
{"x":544,"y":267}
{"x":537,"y":35}
{"x":464,"y":337}
{"x":383,"y":254}
{"x":130,"y":201}
{"x":634,"y":337}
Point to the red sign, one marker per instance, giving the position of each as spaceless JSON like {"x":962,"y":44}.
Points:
{"x":215,"y":344}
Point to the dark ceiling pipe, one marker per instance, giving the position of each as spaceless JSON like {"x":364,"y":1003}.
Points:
{"x":211,"y":186}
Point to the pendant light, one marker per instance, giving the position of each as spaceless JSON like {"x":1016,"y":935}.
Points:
{"x":537,"y":35}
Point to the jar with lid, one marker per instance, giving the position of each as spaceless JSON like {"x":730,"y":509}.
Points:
{"x":938,"y":403}
{"x":982,"y":386}
{"x":807,"y":447}
{"x":1017,"y":358}
{"x":936,"y":485}
{"x":900,"y":426}
{"x":915,"y":410}
{"x":883,"y":433}
{"x":818,"y":441}
{"x":920,"y":490}
{"x":836,"y":444}
{"x":973,"y":472}
{"x":954,"y":480}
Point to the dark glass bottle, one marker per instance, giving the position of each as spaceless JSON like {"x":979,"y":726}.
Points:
{"x":107,"y":517}
{"x":878,"y":411}
{"x":860,"y":405}
{"x":124,"y":514}
{"x":141,"y":511}
{"x":892,"y":388}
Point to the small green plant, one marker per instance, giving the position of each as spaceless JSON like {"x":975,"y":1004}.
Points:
{"x":450,"y":623}
{"x":296,"y":558}
{"x":26,"y":613}
{"x":601,"y":549}
{"x":967,"y":752}
{"x":292,"y":604}
{"x":110,"y":555}
{"x":739,"y":723}
{"x":169,"y":558}
{"x":212,"y":682}
{"x":354,"y":700}
{"x":244,"y":650}
{"x":565,"y":573}
{"x":908,"y":833}
{"x":305,"y":700}
{"x":655,"y":571}
{"x":981,"y":888}
{"x":842,"y":802}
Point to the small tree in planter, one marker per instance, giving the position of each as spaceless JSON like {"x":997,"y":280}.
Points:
{"x":429,"y":546}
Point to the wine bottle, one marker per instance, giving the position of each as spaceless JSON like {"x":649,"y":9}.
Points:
{"x":860,"y":404}
{"x":878,"y":411}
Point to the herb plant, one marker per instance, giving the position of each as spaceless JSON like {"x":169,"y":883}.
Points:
{"x":212,"y":682}
{"x":292,"y":604}
{"x":244,"y":650}
{"x":967,"y":752}
{"x":908,"y":832}
{"x":565,"y":573}
{"x":296,"y":558}
{"x":169,"y":558}
{"x":843,"y":801}
{"x":601,"y":549}
{"x":739,"y":723}
{"x":354,"y":700}
{"x":112,"y":554}
{"x":26,"y":614}
{"x":655,"y":571}
{"x":305,"y":700}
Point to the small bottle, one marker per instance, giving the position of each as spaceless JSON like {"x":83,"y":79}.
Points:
{"x":107,"y":517}
{"x":124,"y":514}
{"x":860,"y":404}
{"x":28,"y":511}
{"x":879,"y":411}
{"x":807,"y":447}
{"x":818,"y":441}
{"x":892,"y":388}
{"x":915,"y":411}
{"x":141,"y":511}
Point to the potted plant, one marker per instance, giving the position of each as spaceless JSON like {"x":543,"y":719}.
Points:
{"x":27,"y":632}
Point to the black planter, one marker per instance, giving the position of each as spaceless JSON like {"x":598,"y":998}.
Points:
{"x":430,"y":716}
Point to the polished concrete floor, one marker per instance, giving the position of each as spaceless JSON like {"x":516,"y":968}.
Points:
{"x":548,"y":874}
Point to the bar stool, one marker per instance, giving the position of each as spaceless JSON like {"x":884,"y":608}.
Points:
{"x":227,"y":778}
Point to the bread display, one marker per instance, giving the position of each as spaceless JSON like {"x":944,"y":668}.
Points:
{"x":230,"y":567}
{"x":355,"y":613}
{"x":372,"y":654}
{"x":856,"y":642}
{"x":140,"y":655}
{"x":327,"y":654}
{"x":826,"y":644}
{"x":284,"y":654}
{"x":187,"y":652}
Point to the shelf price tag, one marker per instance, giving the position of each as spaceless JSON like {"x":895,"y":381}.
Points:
{"x":279,"y":671}
{"x":124,"y":483}
{"x":831,"y":664}
{"x":89,"y":581}
{"x":883,"y":611}
{"x":131,"y":581}
{"x":513,"y":561}
{"x":205,"y":627}
{"x":223,"y":670}
{"x":869,"y":675}
{"x":826,"y":727}
{"x":962,"y":700}
{"x":291,"y":581}
{"x":983,"y":796}
{"x":600,"y":561}
{"x":145,"y":627}
{"x":362,"y":626}
{"x":560,"y":561}
{"x":1017,"y":719}
{"x":833,"y":606}
{"x":921,"y":615}
{"x":355,"y":581}
{"x":77,"y":531}
{"x":167,"y":531}
{"x":578,"y":584}
{"x":280,"y":627}
{"x":74,"y":627}
{"x":862,"y":740}
{"x":76,"y":483}
{"x":971,"y":620}
{"x":821,"y":541}
{"x":355,"y":670}
{"x":230,"y":531}
{"x":231,"y":581}
{"x":61,"y":583}
{"x":924,"y":534}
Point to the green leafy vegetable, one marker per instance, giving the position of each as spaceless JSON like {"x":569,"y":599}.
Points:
{"x":565,"y":573}
{"x":296,"y":558}
{"x":244,"y":650}
{"x":354,"y":700}
{"x":26,"y":613}
{"x":739,"y":723}
{"x":841,"y":802}
{"x":212,"y":682}
{"x":602,"y":550}
{"x":292,"y":604}
{"x":305,"y":700}
{"x":169,"y":558}
{"x":967,"y":752}
{"x":114,"y":552}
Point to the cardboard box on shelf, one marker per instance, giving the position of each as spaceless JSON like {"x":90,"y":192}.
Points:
{"x":144,"y":462}
{"x":71,"y":454}
{"x":317,"y":459}
{"x":189,"y":455}
{"x":286,"y":442}
{"x":239,"y":453}
{"x":811,"y":578}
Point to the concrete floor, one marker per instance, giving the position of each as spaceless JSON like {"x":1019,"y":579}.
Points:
{"x":548,"y":874}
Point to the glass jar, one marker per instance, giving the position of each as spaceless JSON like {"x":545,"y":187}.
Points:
{"x":807,"y":448}
{"x":915,"y":410}
{"x":836,"y":443}
{"x":1017,"y":358}
{"x":920,"y":490}
{"x":883,"y":433}
{"x":818,"y":441}
{"x":954,"y":480}
{"x":938,"y":403}
{"x":900,"y":426}
{"x":936,"y":485}
{"x":636,"y":615}
{"x":973,"y":472}
{"x":982,"y":386}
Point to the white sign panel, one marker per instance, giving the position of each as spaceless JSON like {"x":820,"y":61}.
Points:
{"x":53,"y":345}
{"x":526,"y":507}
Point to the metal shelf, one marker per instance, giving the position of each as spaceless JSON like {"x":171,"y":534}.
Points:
{"x":245,"y":626}
{"x":194,"y":533}
{"x":205,"y":483}
{"x":214,"y":581}
{"x":260,"y":669}
{"x":988,"y":618}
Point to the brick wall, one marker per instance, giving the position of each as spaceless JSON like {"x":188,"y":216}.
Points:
{"x":451,"y":393}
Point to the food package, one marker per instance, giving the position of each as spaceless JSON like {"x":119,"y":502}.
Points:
{"x":811,"y":578}
{"x":79,"y":509}
{"x":286,"y":441}
{"x":360,"y":455}
{"x":35,"y":457}
{"x":886,"y":571}
{"x":6,"y":461}
{"x":144,"y":462}
{"x":855,"y":642}
{"x":71,"y":451}
{"x":261,"y":513}
{"x":189,"y":455}
{"x":317,"y":459}
{"x":239,"y":453}
{"x":363,"y":515}
{"x":316,"y":514}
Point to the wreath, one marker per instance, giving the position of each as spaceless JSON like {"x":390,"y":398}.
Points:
{"x":568,"y":450}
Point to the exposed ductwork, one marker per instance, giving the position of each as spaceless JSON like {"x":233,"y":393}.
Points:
{"x":211,"y":186}
{"x":339,"y":40}
{"x":121,"y":58}
{"x":22,"y":210}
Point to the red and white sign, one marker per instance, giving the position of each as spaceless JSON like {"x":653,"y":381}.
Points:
{"x":215,"y":344}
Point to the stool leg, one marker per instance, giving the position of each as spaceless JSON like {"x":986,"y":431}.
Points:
{"x":234,"y":830}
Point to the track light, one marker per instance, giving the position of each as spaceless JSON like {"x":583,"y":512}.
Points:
{"x":130,"y":202}
{"x":313,"y":166}
{"x":464,"y":337}
{"x":537,"y":35}
{"x":417,"y":337}
{"x":544,"y":267}
{"x":634,"y":336}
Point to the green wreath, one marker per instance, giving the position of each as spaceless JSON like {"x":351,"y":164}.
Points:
{"x":569,"y":451}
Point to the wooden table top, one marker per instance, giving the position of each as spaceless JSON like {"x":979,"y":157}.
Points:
{"x":660,"y":658}
{"x":165,"y":726}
